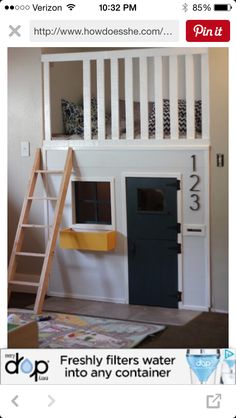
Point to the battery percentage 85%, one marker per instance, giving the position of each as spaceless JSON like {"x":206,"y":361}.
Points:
{"x":199,"y":7}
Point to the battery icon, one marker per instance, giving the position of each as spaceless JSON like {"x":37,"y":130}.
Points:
{"x":222,"y":7}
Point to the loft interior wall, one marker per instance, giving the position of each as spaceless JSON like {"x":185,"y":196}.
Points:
{"x":71,"y":88}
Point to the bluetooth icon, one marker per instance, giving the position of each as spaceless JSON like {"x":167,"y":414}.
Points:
{"x":185,"y":7}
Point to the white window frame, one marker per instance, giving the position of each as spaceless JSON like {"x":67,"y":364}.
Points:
{"x":102,"y":227}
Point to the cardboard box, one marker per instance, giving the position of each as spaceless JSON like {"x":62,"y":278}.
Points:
{"x":23,"y":336}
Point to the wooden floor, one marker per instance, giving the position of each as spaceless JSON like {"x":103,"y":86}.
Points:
{"x":138,"y":313}
{"x":208,"y":330}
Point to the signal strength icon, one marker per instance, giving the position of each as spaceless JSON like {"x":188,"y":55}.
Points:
{"x":71,"y":6}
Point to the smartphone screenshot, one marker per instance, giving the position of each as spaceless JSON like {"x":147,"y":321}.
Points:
{"x":117,"y":213}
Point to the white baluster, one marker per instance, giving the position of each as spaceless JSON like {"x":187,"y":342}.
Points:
{"x":129,"y":102}
{"x":87,"y":99}
{"x":143,"y":97}
{"x":205,"y":95}
{"x":190,"y":96}
{"x":101,"y":99}
{"x":158,"y":89}
{"x":173,"y":85}
{"x":115,"y":124}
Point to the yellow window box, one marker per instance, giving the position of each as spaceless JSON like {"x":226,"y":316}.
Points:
{"x":71,"y":239}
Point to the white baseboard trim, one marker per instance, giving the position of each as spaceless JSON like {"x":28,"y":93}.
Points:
{"x":194,"y":308}
{"x":22,"y":277}
{"x":223,"y":311}
{"x":85,"y":297}
{"x":34,"y":278}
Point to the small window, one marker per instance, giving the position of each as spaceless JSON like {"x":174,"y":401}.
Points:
{"x":92,"y":202}
{"x":150,"y":200}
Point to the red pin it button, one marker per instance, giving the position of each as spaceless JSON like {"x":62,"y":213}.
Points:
{"x":208,"y":30}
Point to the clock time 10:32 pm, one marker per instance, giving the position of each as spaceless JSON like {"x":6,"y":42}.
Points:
{"x":118,"y":7}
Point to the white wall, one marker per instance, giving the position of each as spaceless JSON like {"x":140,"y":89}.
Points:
{"x":104,"y":276}
{"x":24,"y":124}
{"x":219,"y":176}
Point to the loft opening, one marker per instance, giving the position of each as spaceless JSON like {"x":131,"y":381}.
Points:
{"x":156,"y":94}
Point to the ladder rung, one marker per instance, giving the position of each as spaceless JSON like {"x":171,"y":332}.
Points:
{"x":30,"y":254}
{"x":35,"y":226}
{"x":18,"y":249}
{"x":49,"y":171}
{"x":41,"y":198}
{"x":23,"y":283}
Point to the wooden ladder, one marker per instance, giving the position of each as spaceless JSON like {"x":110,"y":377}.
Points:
{"x":42,"y":285}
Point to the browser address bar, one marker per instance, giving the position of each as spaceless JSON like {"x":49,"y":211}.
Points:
{"x":104,"y":31}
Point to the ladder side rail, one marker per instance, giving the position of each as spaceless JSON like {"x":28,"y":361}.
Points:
{"x":24,"y":216}
{"x":46,"y":268}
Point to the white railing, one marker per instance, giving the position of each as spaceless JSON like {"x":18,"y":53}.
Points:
{"x":153,"y":75}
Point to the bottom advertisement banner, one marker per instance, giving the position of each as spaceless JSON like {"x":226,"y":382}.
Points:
{"x":154,"y":366}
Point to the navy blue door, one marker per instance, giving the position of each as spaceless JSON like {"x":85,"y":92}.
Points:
{"x":152,"y":241}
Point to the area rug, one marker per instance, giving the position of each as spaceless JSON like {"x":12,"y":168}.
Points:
{"x":58,"y":330}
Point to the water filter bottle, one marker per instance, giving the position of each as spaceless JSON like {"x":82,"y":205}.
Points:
{"x":203,"y":364}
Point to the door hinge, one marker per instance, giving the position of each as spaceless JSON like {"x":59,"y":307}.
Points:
{"x":176,"y":228}
{"x":177,"y":248}
{"x":176,"y":295}
{"x":176,"y":184}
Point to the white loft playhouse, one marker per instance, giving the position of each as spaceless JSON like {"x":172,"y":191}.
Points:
{"x":135,"y":225}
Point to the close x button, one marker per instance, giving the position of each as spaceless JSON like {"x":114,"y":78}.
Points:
{"x":208,"y":30}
